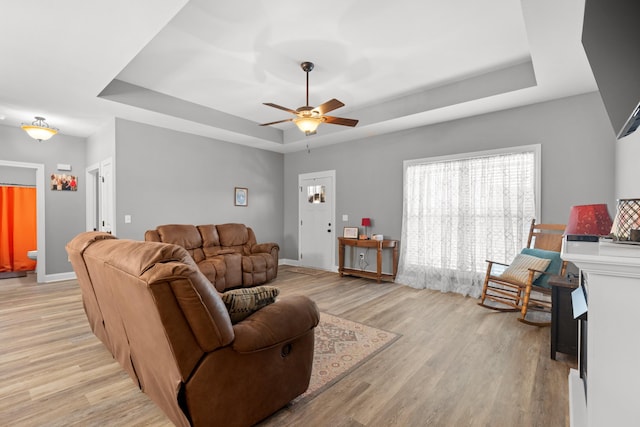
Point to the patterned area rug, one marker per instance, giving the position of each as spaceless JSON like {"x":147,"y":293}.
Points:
{"x":340,"y":347}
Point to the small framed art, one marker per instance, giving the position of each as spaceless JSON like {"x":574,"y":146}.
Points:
{"x":241,"y":196}
{"x":350,"y":233}
{"x":64,"y":182}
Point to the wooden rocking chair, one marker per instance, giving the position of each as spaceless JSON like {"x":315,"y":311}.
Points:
{"x":509,"y":287}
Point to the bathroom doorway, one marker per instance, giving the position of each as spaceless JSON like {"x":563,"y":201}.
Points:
{"x":19,"y":206}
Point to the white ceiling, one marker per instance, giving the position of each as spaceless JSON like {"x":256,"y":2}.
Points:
{"x":206,"y":67}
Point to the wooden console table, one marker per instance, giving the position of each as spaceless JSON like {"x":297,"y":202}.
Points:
{"x":378,"y":245}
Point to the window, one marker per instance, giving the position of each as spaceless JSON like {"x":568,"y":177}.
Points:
{"x":316,"y":194}
{"x":460,"y":211}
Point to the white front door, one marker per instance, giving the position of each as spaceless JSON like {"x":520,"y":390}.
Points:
{"x":317,"y":220}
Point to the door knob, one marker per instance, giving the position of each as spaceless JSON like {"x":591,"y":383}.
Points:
{"x":329,"y":231}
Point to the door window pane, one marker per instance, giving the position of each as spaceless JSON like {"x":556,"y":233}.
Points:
{"x":316,"y":194}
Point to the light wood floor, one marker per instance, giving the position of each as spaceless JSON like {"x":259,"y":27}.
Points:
{"x":456,"y":363}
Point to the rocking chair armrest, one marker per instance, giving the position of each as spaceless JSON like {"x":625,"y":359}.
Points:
{"x":496,"y":262}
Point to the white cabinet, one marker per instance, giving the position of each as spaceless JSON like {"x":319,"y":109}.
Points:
{"x":612,"y":274}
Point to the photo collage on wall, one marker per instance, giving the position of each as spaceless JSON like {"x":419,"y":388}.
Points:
{"x":64,"y":182}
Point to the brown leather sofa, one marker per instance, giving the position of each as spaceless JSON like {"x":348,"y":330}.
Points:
{"x":167,"y":326}
{"x":227,"y":254}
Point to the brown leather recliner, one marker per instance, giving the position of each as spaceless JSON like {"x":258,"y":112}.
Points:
{"x":167,"y":326}
{"x":227,"y":254}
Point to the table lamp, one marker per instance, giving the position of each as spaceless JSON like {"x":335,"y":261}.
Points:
{"x":366,"y":222}
{"x":590,"y":221}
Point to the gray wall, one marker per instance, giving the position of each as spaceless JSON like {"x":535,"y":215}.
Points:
{"x":65,"y":210}
{"x":102,"y":144}
{"x":16,"y":175}
{"x":578,"y":155}
{"x":164,"y":176}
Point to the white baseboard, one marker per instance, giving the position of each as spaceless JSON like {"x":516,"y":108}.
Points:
{"x":296,"y":263}
{"x":59,"y":277}
{"x":292,"y":262}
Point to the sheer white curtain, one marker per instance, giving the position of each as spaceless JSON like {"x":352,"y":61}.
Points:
{"x":459,"y":213}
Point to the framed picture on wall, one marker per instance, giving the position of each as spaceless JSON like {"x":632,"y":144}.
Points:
{"x":241,"y":196}
{"x":64,"y":182}
{"x":350,"y":233}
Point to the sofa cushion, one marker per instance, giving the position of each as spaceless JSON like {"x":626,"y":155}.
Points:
{"x":184,"y":235}
{"x":241,"y":303}
{"x":233,"y":234}
{"x":257,"y":269}
{"x":209,"y":235}
{"x":214,"y":269}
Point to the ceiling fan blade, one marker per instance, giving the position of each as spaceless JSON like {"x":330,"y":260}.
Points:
{"x":340,"y":121}
{"x":280,"y":107}
{"x":329,"y":106}
{"x":275,"y":123}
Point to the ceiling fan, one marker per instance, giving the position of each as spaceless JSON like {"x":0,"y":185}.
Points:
{"x":309,"y":118}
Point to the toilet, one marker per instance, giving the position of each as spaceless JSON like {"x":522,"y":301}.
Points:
{"x":32,"y":255}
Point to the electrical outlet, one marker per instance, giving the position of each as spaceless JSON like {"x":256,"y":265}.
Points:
{"x":361,"y":255}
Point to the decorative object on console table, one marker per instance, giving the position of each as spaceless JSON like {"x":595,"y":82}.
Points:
{"x":564,"y":328}
{"x":379,"y":245}
{"x":627,"y":219}
{"x":587,"y":223}
{"x":241,"y":196}
{"x":350,"y":233}
{"x":366,"y":222}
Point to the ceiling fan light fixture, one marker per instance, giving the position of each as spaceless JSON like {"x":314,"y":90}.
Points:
{"x":39,"y":129}
{"x":308,"y":125}
{"x":309,"y":118}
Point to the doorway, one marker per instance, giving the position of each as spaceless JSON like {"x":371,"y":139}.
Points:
{"x":92,"y":177}
{"x":40,"y":213}
{"x":316,"y":229}
{"x":100,"y":197}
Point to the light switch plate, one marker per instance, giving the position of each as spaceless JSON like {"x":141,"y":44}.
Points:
{"x":345,"y":218}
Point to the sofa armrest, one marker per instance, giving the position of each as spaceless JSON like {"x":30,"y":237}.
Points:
{"x":264,"y":247}
{"x":284,"y":320}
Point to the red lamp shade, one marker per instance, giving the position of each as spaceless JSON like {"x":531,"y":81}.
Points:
{"x":366,"y":222}
{"x":589,"y":219}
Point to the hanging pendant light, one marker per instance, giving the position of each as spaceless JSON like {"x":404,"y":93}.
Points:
{"x":39,"y":129}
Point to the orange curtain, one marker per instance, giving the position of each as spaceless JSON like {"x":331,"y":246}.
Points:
{"x":17,"y":228}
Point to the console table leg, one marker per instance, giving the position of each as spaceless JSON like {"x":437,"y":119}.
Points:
{"x":379,"y":262}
